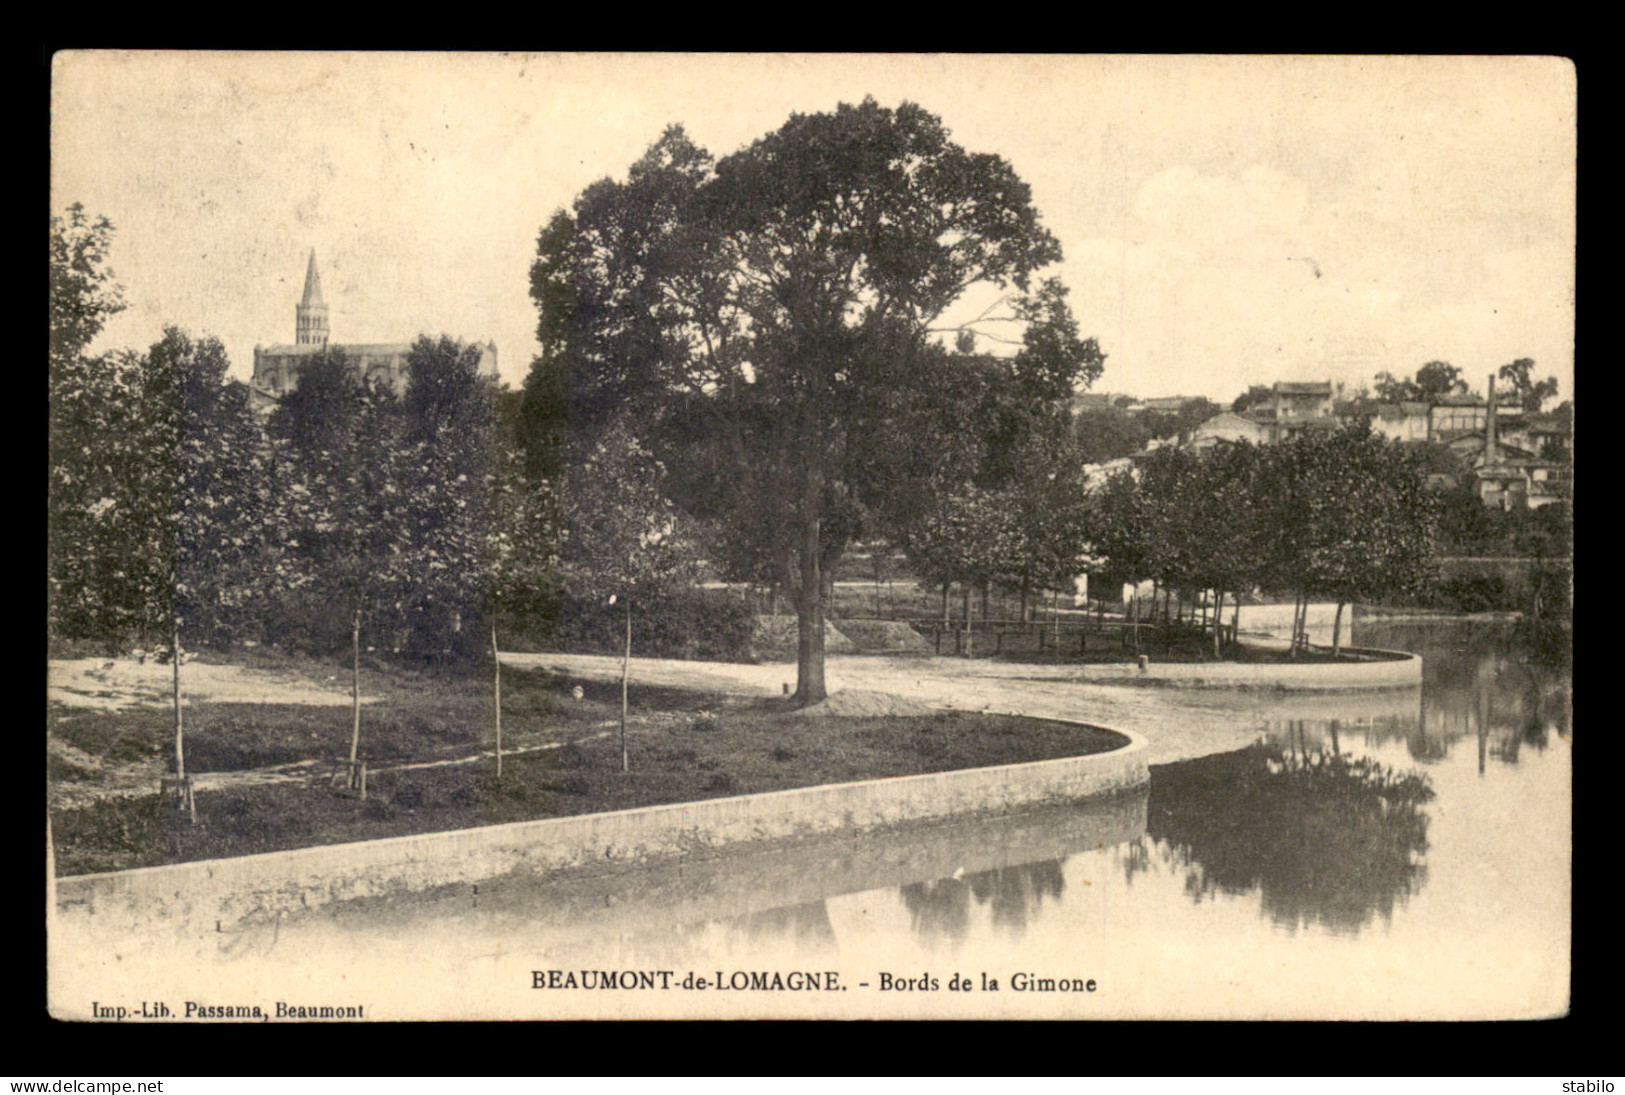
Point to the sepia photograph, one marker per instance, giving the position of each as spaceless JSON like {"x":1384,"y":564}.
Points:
{"x":636,"y":536}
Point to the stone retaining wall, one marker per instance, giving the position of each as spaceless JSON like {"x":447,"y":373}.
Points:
{"x":202,"y":895}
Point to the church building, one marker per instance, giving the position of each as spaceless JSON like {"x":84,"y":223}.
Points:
{"x":277,"y":368}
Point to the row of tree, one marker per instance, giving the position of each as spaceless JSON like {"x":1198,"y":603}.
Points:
{"x":1343,"y":516}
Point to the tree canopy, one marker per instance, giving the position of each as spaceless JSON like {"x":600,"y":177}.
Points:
{"x":1530,"y":393}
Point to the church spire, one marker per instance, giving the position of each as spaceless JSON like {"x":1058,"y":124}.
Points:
{"x":311,"y":315}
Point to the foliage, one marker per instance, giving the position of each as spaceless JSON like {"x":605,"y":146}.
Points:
{"x":160,"y":495}
{"x":226,"y":542}
{"x":1392,"y":389}
{"x":1474,"y":593}
{"x":1110,"y":434}
{"x":349,"y":504}
{"x":94,"y":581}
{"x":1530,"y":394}
{"x":622,"y":536}
{"x":1438,"y":378}
{"x":400,"y":510}
{"x":674,"y":622}
{"x":83,"y":291}
{"x":1351,"y":517}
{"x":1256,"y":395}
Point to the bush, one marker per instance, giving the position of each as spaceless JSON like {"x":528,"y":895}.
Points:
{"x":683,"y":623}
{"x":1475,"y":593}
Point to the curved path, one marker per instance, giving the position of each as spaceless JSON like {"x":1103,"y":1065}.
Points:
{"x":1180,"y":723}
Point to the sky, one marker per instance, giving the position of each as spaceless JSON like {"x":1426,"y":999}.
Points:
{"x":1225,"y":221}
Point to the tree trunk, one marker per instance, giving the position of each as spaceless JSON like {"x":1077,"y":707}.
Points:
{"x":985,"y":592}
{"x":810,"y":609}
{"x":1024,"y":601}
{"x":175,"y":665}
{"x":355,"y":689}
{"x":496,"y":696}
{"x":1218,"y":622}
{"x":965,"y":614}
{"x":626,"y":672}
{"x":1337,"y":631}
{"x":1235,"y":621}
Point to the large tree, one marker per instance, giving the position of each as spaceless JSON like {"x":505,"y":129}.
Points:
{"x":1348,"y":516}
{"x":1438,"y":378}
{"x":1531,"y":394}
{"x":781,"y":296}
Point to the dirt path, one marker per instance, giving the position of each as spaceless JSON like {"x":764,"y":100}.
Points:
{"x":109,"y":685}
{"x":1180,"y":723}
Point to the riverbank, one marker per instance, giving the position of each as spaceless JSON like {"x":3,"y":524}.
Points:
{"x":263,"y":771}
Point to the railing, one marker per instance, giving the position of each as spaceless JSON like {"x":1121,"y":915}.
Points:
{"x":1052,"y":635}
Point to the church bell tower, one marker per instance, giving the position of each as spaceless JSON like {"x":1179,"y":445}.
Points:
{"x":312,"y":311}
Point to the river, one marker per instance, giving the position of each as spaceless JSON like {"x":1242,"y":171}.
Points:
{"x":1408,"y":861}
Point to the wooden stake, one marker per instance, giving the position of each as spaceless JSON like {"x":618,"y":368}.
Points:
{"x":355,"y":688}
{"x":175,"y":665}
{"x":496,"y":701}
{"x":626,"y":671}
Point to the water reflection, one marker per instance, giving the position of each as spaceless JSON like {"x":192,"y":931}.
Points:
{"x":939,"y":910}
{"x":1480,"y":682}
{"x":1324,"y":837}
{"x":806,"y":926}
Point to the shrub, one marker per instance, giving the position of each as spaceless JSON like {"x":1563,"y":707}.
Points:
{"x":1475,"y":593}
{"x":683,"y":623}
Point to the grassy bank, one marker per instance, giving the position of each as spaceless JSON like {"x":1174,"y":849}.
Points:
{"x":683,"y":747}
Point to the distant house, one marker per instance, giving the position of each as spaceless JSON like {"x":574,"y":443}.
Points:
{"x":1530,"y":480}
{"x":1227,"y":427}
{"x":1455,"y":413}
{"x":1502,"y":452}
{"x":1297,"y":408}
{"x":1097,"y":475}
{"x":1407,"y":421}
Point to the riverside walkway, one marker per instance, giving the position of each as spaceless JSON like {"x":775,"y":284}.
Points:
{"x":1180,"y":723}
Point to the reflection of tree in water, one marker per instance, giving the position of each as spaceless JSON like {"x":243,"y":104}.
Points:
{"x":1488,"y":682}
{"x":806,"y":925}
{"x":1325,"y":838}
{"x":939,"y":910}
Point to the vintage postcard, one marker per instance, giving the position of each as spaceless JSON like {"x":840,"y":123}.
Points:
{"x":624,"y":536}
